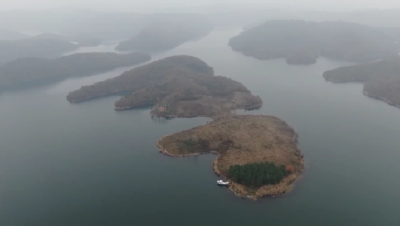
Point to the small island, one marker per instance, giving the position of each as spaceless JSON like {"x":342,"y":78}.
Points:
{"x":301,"y":42}
{"x":177,"y":86}
{"x":25,"y":72}
{"x":257,"y":154}
{"x":161,"y":36}
{"x":381,"y":79}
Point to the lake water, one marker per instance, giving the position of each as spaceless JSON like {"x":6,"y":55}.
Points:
{"x":65,"y":164}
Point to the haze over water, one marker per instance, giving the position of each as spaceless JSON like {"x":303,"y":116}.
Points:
{"x":85,"y":164}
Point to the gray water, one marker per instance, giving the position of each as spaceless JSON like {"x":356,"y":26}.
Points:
{"x":65,"y":164}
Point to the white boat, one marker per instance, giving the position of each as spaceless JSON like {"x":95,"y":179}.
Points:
{"x":222,"y":183}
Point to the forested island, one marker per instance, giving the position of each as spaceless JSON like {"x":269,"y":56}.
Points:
{"x":30,"y":71}
{"x":177,"y":86}
{"x":302,"y":42}
{"x":43,"y":48}
{"x":258,"y":154}
{"x":381,"y":79}
{"x":160,"y":36}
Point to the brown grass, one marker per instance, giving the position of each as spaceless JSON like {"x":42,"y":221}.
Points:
{"x":241,"y":140}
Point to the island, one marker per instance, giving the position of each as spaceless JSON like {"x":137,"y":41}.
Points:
{"x":42,"y":48}
{"x":381,"y":79}
{"x":161,"y":36}
{"x":177,"y":86}
{"x":258,"y":154}
{"x":26,"y":72}
{"x":302,"y":42}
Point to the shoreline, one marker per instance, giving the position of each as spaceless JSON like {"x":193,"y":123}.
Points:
{"x":381,"y":99}
{"x":76,"y":101}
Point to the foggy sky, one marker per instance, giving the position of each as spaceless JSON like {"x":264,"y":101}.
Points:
{"x":138,"y":5}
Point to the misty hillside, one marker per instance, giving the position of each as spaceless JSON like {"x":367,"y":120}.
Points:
{"x":302,"y":42}
{"x":11,"y":35}
{"x":43,"y":48}
{"x":381,"y":79}
{"x":387,"y":90}
{"x":103,"y":25}
{"x":81,"y":40}
{"x":389,"y":68}
{"x":377,"y":18}
{"x":160,"y":36}
{"x":33,"y":71}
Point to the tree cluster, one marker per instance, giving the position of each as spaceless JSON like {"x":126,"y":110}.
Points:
{"x":258,"y":174}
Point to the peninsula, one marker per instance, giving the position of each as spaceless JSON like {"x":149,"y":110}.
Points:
{"x":246,"y":145}
{"x":30,"y":71}
{"x":381,"y":79}
{"x":177,"y":86}
{"x":301,"y":42}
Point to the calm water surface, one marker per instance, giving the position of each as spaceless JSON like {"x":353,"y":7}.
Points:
{"x":65,"y":164}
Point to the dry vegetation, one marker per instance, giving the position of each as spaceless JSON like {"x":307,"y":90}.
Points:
{"x":240,"y":140}
{"x":178,"y":86}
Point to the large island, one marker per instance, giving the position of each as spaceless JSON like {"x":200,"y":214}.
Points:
{"x":177,"y":86}
{"x":301,"y":42}
{"x":31,"y":71}
{"x":381,"y":79}
{"x":246,"y":146}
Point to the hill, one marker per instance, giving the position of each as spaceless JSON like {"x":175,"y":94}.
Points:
{"x":302,"y":42}
{"x":33,"y":71}
{"x":178,"y":86}
{"x":162,"y":36}
{"x":242,"y":140}
{"x":381,"y":79}
{"x":42,"y":48}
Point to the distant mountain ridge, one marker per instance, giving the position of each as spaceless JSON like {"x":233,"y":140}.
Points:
{"x":42,"y":48}
{"x":11,"y":35}
{"x":302,"y":42}
{"x":107,"y":26}
{"x":30,"y":71}
{"x":160,"y":36}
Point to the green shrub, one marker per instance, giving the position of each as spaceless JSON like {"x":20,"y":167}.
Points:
{"x":257,"y":174}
